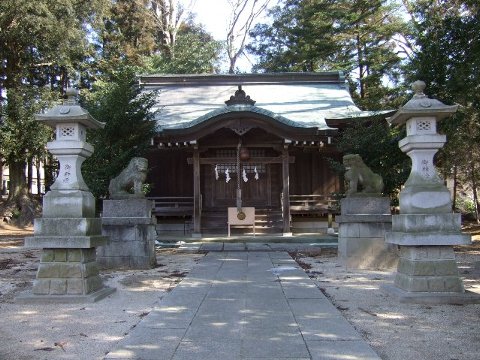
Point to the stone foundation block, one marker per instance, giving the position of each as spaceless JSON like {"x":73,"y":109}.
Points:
{"x":41,"y":287}
{"x":127,"y":208}
{"x":57,"y":270}
{"x":58,"y":287}
{"x":428,"y":269}
{"x":63,"y":226}
{"x":450,"y":222}
{"x":361,"y":232}
{"x":131,"y":229}
{"x":65,"y":242}
{"x":365,"y":205}
{"x":366,"y":253}
{"x":427,"y":238}
{"x":68,"y":204}
{"x":75,"y":287}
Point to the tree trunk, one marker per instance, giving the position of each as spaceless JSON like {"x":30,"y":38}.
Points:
{"x":18,"y":186}
{"x":455,"y":185}
{"x":39,"y":179}
{"x":1,"y":177}
{"x":360,"y":66}
{"x":29,"y":176}
{"x":474,"y":189}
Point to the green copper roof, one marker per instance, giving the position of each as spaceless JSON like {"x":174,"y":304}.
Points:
{"x":296,"y":99}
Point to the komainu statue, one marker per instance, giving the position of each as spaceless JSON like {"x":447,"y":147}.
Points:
{"x":131,"y":178}
{"x":361,"y":179}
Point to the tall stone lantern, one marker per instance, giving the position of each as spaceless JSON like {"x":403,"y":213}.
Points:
{"x":68,"y":232}
{"x":426,"y":228}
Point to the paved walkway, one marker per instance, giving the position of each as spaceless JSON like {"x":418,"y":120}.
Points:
{"x":244,"y":305}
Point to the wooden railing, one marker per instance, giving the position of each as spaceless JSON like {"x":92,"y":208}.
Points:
{"x":172,"y":205}
{"x":313,"y":205}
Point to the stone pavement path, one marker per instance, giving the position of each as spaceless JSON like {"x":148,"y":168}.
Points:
{"x":244,"y":305}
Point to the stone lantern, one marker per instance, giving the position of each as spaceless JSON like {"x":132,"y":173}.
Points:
{"x":68,"y":232}
{"x":426,"y":228}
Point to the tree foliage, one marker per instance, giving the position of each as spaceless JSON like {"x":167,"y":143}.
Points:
{"x":196,"y":52}
{"x":40,"y":42}
{"x":129,"y":127}
{"x":353,"y":36}
{"x":377,"y":144}
{"x":447,"y":58}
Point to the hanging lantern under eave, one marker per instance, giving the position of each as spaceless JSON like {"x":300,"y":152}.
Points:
{"x":244,"y":154}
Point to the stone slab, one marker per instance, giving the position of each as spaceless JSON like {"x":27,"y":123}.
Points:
{"x":126,"y":221}
{"x":367,"y":253}
{"x":232,"y":307}
{"x":431,"y":298}
{"x":233,"y":246}
{"x":378,"y":218}
{"x":427,"y":238}
{"x":365,"y":205}
{"x":349,"y":349}
{"x":127,"y":208}
{"x":363,"y":230}
{"x":65,"y":242}
{"x":68,"y":204}
{"x":29,"y":298}
{"x":332,"y":328}
{"x":424,"y":223}
{"x":70,"y":226}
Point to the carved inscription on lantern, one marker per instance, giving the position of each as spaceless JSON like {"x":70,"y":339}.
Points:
{"x":426,"y":174}
{"x":67,"y":173}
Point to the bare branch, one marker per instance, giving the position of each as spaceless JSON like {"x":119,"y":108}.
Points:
{"x":243,"y":15}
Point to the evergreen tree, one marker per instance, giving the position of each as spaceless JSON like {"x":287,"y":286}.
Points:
{"x":196,"y":52}
{"x":447,"y":58}
{"x":353,"y":36}
{"x":377,"y":144}
{"x":41,"y":42}
{"x":129,"y":127}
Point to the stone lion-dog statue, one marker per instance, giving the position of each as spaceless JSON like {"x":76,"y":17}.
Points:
{"x":359,"y":174}
{"x":132,"y":177}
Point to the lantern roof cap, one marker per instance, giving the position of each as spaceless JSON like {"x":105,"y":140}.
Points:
{"x":420,"y":105}
{"x":69,"y":112}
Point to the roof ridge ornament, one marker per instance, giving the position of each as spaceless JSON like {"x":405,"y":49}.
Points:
{"x":240,"y":98}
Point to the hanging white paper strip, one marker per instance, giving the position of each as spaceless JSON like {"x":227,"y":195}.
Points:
{"x":216,"y":172}
{"x":227,"y":175}
{"x":244,"y":175}
{"x":256,"y":173}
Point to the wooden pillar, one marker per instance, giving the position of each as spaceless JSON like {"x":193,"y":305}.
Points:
{"x":286,"y":190}
{"x":197,"y":196}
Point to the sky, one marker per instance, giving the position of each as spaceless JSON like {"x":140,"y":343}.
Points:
{"x":214,"y":15}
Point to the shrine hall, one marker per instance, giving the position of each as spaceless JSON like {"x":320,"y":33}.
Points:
{"x":257,"y":144}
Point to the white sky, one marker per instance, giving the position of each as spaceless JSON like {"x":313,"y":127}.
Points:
{"x":214,"y":15}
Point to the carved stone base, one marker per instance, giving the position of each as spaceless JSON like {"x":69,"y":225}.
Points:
{"x":131,"y":229}
{"x":67,"y":276}
{"x":362,"y":227}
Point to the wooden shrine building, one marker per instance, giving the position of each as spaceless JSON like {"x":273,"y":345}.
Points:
{"x":268,"y":135}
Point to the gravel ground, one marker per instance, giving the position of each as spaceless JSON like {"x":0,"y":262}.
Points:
{"x":401,"y":331}
{"x":85,"y":331}
{"x":394,"y":330}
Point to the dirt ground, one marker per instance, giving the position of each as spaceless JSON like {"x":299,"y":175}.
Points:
{"x":396,"y":331}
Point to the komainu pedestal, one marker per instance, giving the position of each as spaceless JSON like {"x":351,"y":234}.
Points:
{"x":362,"y":226}
{"x":131,"y":228}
